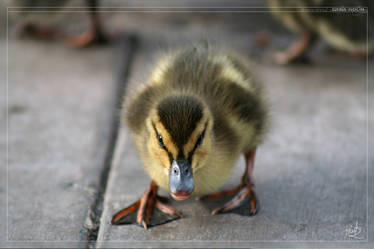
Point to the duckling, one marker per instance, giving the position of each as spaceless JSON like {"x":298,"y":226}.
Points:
{"x":200,"y":109}
{"x":345,"y":31}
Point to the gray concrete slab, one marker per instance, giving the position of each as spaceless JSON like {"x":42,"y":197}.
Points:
{"x":310,"y":173}
{"x":3,"y":179}
{"x":60,"y":105}
{"x":370,"y":149}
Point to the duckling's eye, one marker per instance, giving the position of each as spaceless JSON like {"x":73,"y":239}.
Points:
{"x":160,"y":141}
{"x":199,"y":139}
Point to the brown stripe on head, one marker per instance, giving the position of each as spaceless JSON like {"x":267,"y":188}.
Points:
{"x":180,"y":115}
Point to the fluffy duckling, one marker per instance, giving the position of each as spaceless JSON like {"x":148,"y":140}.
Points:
{"x":344,"y":29}
{"x":199,"y":111}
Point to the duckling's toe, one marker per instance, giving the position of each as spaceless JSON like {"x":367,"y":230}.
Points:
{"x":142,"y":211}
{"x":167,"y":209}
{"x":238,"y":200}
{"x":242,"y":192}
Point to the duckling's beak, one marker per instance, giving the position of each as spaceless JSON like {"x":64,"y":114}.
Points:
{"x":181,"y":182}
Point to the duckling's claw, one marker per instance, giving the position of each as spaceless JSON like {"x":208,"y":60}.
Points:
{"x":141,"y":211}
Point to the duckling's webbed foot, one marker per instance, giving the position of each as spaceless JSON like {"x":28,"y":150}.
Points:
{"x":297,"y":51}
{"x":142,"y":210}
{"x":94,"y":34}
{"x":242,"y":192}
{"x":28,"y":29}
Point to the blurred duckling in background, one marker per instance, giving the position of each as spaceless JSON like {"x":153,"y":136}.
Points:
{"x":199,"y":111}
{"x":344,"y":30}
{"x":30,"y":22}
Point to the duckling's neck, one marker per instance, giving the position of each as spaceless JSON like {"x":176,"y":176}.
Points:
{"x":180,"y":115}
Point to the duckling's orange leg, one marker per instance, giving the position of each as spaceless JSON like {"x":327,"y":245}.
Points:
{"x":144,"y":207}
{"x":297,"y":50}
{"x":95,"y":34}
{"x":242,"y":191}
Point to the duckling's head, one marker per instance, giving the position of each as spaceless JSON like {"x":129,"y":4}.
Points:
{"x":180,"y":140}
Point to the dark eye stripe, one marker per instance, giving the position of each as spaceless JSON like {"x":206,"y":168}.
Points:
{"x":161,"y":143}
{"x":199,"y":141}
